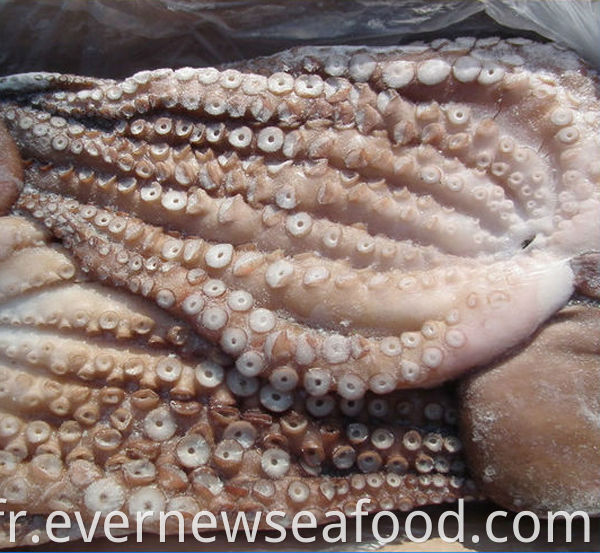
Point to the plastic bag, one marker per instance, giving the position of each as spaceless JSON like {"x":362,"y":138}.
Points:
{"x":111,"y":38}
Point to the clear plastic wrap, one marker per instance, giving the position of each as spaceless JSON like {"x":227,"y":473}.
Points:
{"x":112,"y":38}
{"x":573,"y":24}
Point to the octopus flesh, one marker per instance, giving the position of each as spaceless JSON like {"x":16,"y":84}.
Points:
{"x":253,"y":288}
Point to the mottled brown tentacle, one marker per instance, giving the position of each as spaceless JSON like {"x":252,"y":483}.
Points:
{"x":226,"y":288}
{"x":227,"y":308}
{"x":11,"y":172}
{"x":441,"y":216}
{"x":94,"y":420}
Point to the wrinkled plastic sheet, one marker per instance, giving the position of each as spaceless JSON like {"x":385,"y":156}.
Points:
{"x":115,"y":38}
{"x":110,"y":38}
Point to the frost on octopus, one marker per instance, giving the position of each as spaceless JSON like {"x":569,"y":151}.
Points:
{"x":97,"y":421}
{"x":378,"y":174}
{"x":243,"y":258}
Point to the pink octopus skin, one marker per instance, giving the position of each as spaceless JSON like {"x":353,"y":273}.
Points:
{"x":245,"y":288}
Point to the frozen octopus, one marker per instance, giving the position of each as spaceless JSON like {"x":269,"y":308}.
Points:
{"x":254,"y":288}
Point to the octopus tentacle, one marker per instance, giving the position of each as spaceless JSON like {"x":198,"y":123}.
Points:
{"x":229,"y":287}
{"x":90,"y":425}
{"x":120,"y":168}
{"x":274,"y":228}
{"x":118,"y":316}
{"x":428,"y":357}
{"x":331,"y":199}
{"x":19,"y":233}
